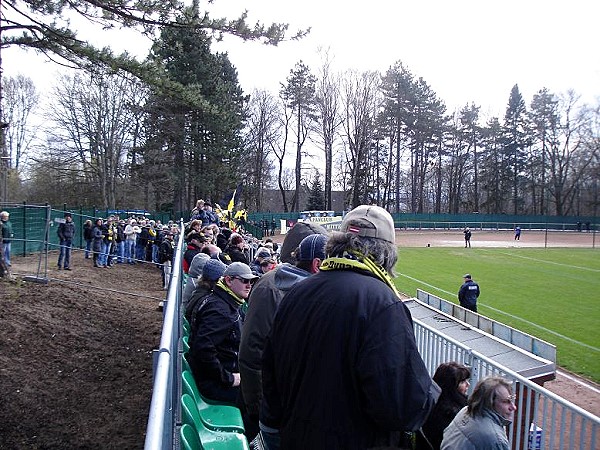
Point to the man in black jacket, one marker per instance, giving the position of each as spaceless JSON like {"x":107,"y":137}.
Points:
{"x":468,"y":293}
{"x":66,"y":231}
{"x":341,"y":369}
{"x":215,"y":344}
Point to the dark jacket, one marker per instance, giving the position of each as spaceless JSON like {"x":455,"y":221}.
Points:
{"x":262,"y":306}
{"x":215,"y":345}
{"x":120,"y":233}
{"x":87,"y":232}
{"x":188,"y":256}
{"x":66,"y":231}
{"x":165,"y":251}
{"x":468,"y":293}
{"x":191,"y":309}
{"x":236,"y":254}
{"x":97,"y":235}
{"x":7,"y":231}
{"x":446,"y":408}
{"x":341,"y":369}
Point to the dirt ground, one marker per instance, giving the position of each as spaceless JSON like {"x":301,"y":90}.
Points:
{"x":76,"y":353}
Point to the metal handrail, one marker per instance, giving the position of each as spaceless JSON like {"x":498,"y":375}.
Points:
{"x":534,"y":401}
{"x":162,"y":418}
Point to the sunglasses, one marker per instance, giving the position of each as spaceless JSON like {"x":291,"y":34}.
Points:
{"x":243,"y":280}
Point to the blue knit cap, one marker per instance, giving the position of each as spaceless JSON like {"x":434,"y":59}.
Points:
{"x":312,"y":247}
{"x":213,"y":269}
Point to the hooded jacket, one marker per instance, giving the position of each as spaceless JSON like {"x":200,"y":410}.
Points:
{"x":485,"y":432}
{"x":194,"y":271}
{"x":262,"y":306}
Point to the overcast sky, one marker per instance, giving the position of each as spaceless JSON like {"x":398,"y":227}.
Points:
{"x":466,"y":50}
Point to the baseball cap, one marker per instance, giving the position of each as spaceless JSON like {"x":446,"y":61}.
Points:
{"x":239,"y":269}
{"x":213,"y":270}
{"x":370,"y":221}
{"x":295,"y":235}
{"x":467,"y":275}
{"x":197,"y":236}
{"x":312,"y":247}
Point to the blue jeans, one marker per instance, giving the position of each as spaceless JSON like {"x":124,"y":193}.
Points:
{"x":120,"y":251}
{"x":65,"y":253}
{"x":88,"y":248}
{"x":140,"y":252}
{"x":155,"y":253}
{"x":129,"y":250}
{"x":6,"y":250}
{"x":103,"y":258}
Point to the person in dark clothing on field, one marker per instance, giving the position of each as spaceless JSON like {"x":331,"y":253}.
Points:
{"x":88,"y":226}
{"x":467,"y":233}
{"x":165,"y":257}
{"x":468,"y":293}
{"x":453,"y":379}
{"x":97,"y":238}
{"x":66,"y":232}
{"x":341,"y":368}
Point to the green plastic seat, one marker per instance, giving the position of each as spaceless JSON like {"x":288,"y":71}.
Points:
{"x":190,"y":440}
{"x":214,"y":416}
{"x":185,"y":365}
{"x":210,"y":439}
{"x":185,"y":344}
{"x":185,"y":325}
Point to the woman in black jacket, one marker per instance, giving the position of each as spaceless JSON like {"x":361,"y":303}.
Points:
{"x":88,"y":227}
{"x":453,"y":379}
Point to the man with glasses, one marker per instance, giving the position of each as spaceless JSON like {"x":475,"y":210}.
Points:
{"x":481,"y":424}
{"x":215,"y":345}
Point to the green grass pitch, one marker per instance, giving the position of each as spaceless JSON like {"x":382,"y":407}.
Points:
{"x":553,"y":294}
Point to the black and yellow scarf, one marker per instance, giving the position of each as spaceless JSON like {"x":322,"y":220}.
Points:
{"x":354,"y":261}
{"x":222,"y":285}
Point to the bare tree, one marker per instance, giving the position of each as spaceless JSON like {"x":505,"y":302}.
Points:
{"x":20,"y":97}
{"x":569,"y":154}
{"x":279,"y":147}
{"x":94,"y":122}
{"x":328,"y":117}
{"x":262,"y":128}
{"x":360,"y":104}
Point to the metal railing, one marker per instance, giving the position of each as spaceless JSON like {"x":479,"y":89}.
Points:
{"x":163,"y":418}
{"x":562,"y":425}
{"x":518,"y":338}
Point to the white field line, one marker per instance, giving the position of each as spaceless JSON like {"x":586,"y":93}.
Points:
{"x":561,"y":336}
{"x":549,"y":262}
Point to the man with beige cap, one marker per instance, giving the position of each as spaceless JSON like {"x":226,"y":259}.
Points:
{"x":341,"y":369}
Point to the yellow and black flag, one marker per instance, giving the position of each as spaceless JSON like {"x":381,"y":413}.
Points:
{"x":237,"y":192}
